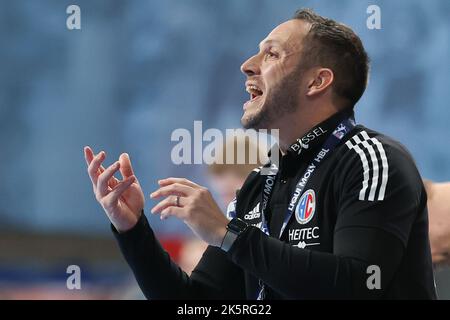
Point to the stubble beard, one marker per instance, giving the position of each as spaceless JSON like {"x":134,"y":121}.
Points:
{"x":283,"y":101}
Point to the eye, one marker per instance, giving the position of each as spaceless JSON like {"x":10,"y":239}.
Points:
{"x":270,"y":55}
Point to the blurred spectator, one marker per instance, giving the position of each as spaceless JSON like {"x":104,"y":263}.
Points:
{"x":439,"y":219}
{"x":225,"y":179}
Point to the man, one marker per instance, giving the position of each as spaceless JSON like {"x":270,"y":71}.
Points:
{"x":343,"y":216}
{"x":439,"y":212}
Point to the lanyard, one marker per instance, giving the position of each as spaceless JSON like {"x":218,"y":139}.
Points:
{"x":329,"y":145}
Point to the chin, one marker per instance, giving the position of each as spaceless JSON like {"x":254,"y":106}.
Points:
{"x":253,"y":117}
{"x":252,"y":121}
{"x":248,"y":120}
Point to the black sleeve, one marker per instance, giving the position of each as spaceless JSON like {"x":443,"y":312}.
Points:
{"x":305,"y":274}
{"x":215,"y":277}
{"x":367,"y":233}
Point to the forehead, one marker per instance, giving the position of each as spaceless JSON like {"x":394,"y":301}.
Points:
{"x":289,"y":34}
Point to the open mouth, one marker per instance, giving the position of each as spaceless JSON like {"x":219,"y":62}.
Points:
{"x":254,"y":91}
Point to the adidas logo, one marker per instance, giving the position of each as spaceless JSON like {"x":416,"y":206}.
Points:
{"x":253,"y":214}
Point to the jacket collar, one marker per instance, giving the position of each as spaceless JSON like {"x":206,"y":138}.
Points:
{"x":317,"y":135}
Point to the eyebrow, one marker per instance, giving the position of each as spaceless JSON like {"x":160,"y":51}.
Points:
{"x":270,"y":41}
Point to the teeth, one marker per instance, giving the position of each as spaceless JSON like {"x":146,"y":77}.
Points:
{"x":254,"y":88}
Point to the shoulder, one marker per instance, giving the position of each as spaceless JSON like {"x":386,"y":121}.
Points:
{"x":363,"y":143}
{"x":377,"y":160}
{"x":252,"y":180}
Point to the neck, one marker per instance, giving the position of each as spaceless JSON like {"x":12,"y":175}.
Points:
{"x":296,"y":125}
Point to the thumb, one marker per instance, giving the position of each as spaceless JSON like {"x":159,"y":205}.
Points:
{"x":125,"y":166}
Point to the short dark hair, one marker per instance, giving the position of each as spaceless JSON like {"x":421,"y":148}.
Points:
{"x":333,"y":45}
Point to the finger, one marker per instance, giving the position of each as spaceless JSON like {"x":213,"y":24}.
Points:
{"x":113,"y":181}
{"x":173,"y":189}
{"x":168,"y":181}
{"x":102,"y":183}
{"x":167,"y":202}
{"x":120,"y":188}
{"x":125,"y":165}
{"x":172,"y":211}
{"x":94,"y":166}
{"x":88,"y":155}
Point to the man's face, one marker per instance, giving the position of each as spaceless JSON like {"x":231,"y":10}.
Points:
{"x":273,"y":76}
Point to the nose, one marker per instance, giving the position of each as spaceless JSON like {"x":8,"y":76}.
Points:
{"x":251,"y":66}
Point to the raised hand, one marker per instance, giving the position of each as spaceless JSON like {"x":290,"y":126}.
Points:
{"x":194,"y":205}
{"x":122,"y":200}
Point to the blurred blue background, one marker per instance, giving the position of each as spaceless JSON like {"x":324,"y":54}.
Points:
{"x":137,"y":70}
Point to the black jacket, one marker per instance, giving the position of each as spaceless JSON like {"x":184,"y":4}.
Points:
{"x":363,"y":211}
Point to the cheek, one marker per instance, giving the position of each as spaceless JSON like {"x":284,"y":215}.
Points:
{"x":273,"y":74}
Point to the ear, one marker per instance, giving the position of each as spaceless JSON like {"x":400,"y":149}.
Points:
{"x":322,"y":79}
